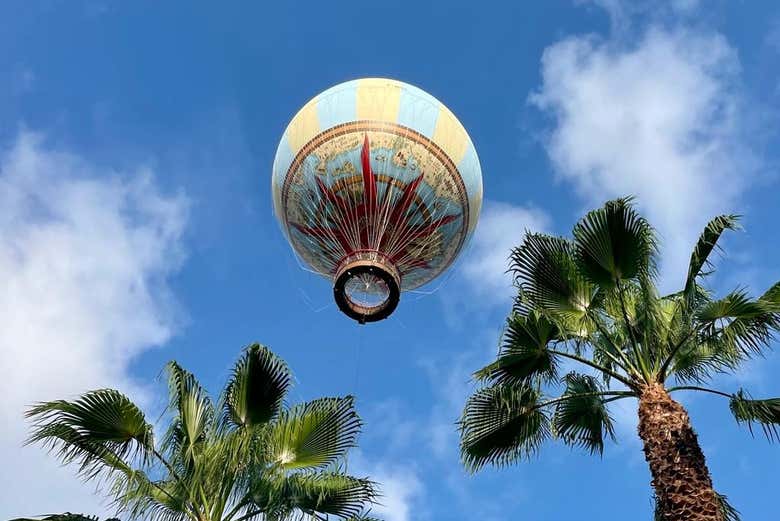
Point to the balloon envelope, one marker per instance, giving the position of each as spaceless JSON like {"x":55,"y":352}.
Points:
{"x":377,"y":186}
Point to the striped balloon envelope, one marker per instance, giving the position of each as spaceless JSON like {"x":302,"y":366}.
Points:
{"x":378,"y":187}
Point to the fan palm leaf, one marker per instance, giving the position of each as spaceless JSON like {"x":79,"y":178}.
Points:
{"x":581,"y":417}
{"x":764,"y":412}
{"x":256,"y":389}
{"x":102,"y":430}
{"x":193,"y":419}
{"x":501,"y":424}
{"x":614,"y":243}
{"x":314,"y":434}
{"x":545,"y":269}
{"x":329,"y":493}
{"x":524,"y":353}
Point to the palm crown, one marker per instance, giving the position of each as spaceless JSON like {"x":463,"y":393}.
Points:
{"x":247,"y":457}
{"x":593,"y":301}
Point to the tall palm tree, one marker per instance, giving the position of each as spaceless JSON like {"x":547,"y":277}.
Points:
{"x":592,"y":301}
{"x":249,"y":457}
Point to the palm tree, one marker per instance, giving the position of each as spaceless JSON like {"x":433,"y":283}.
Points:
{"x":592,"y":301}
{"x":249,"y":457}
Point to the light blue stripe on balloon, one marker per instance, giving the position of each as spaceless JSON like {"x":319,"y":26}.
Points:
{"x":470,"y":172}
{"x":337,"y":105}
{"x":418,"y":110}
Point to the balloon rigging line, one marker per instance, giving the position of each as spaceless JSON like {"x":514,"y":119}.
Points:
{"x":448,"y":276}
{"x":358,"y":350}
{"x":310,"y":303}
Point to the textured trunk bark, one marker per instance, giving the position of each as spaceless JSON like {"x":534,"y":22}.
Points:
{"x":681,"y":479}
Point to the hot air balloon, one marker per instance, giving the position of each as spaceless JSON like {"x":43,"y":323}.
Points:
{"x":377,"y":186}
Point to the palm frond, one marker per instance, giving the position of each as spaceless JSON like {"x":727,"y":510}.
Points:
{"x":718,"y":345}
{"x":736,"y":304}
{"x":614,"y":243}
{"x":524,"y":353}
{"x":314,"y":434}
{"x":257,"y":387}
{"x":605,"y":354}
{"x":707,"y":242}
{"x":138,"y":497}
{"x":698,"y":360}
{"x":772,"y":297}
{"x":654,"y":321}
{"x":747,"y":326}
{"x":330,"y":493}
{"x":545,"y":270}
{"x":194,"y":414}
{"x":764,"y":412}
{"x":365,"y":516}
{"x":102,"y":430}
{"x":66,"y":516}
{"x":501,"y":424}
{"x":729,"y":512}
{"x":581,"y":418}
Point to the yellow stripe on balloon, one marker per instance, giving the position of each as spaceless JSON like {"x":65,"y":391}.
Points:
{"x":450,"y":135}
{"x":304,"y":126}
{"x":378,"y":99}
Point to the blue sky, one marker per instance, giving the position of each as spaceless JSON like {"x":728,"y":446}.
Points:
{"x":136,"y":226}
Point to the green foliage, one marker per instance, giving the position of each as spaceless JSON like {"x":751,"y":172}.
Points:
{"x":102,"y":430}
{"x":248,"y":458}
{"x":67,"y":516}
{"x":764,"y":412}
{"x":315,"y":434}
{"x":704,"y":246}
{"x":329,"y":493}
{"x":501,"y":424}
{"x":581,"y":417}
{"x":545,"y":268}
{"x":524,"y":353}
{"x":614,"y":244}
{"x":257,"y":387}
{"x":592,"y":300}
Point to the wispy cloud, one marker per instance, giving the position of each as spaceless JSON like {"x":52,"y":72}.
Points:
{"x":658,"y":118}
{"x":400,"y":485}
{"x":502,"y":227}
{"x":401,"y":488}
{"x":85,"y":255}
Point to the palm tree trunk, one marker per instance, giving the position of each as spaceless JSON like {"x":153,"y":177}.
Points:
{"x":681,"y":480}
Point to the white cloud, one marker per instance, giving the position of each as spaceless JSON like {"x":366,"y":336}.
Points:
{"x":501,"y":227}
{"x":659,"y":119}
{"x":84,"y":258}
{"x":400,"y":486}
{"x":451,"y":383}
{"x":400,"y":489}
